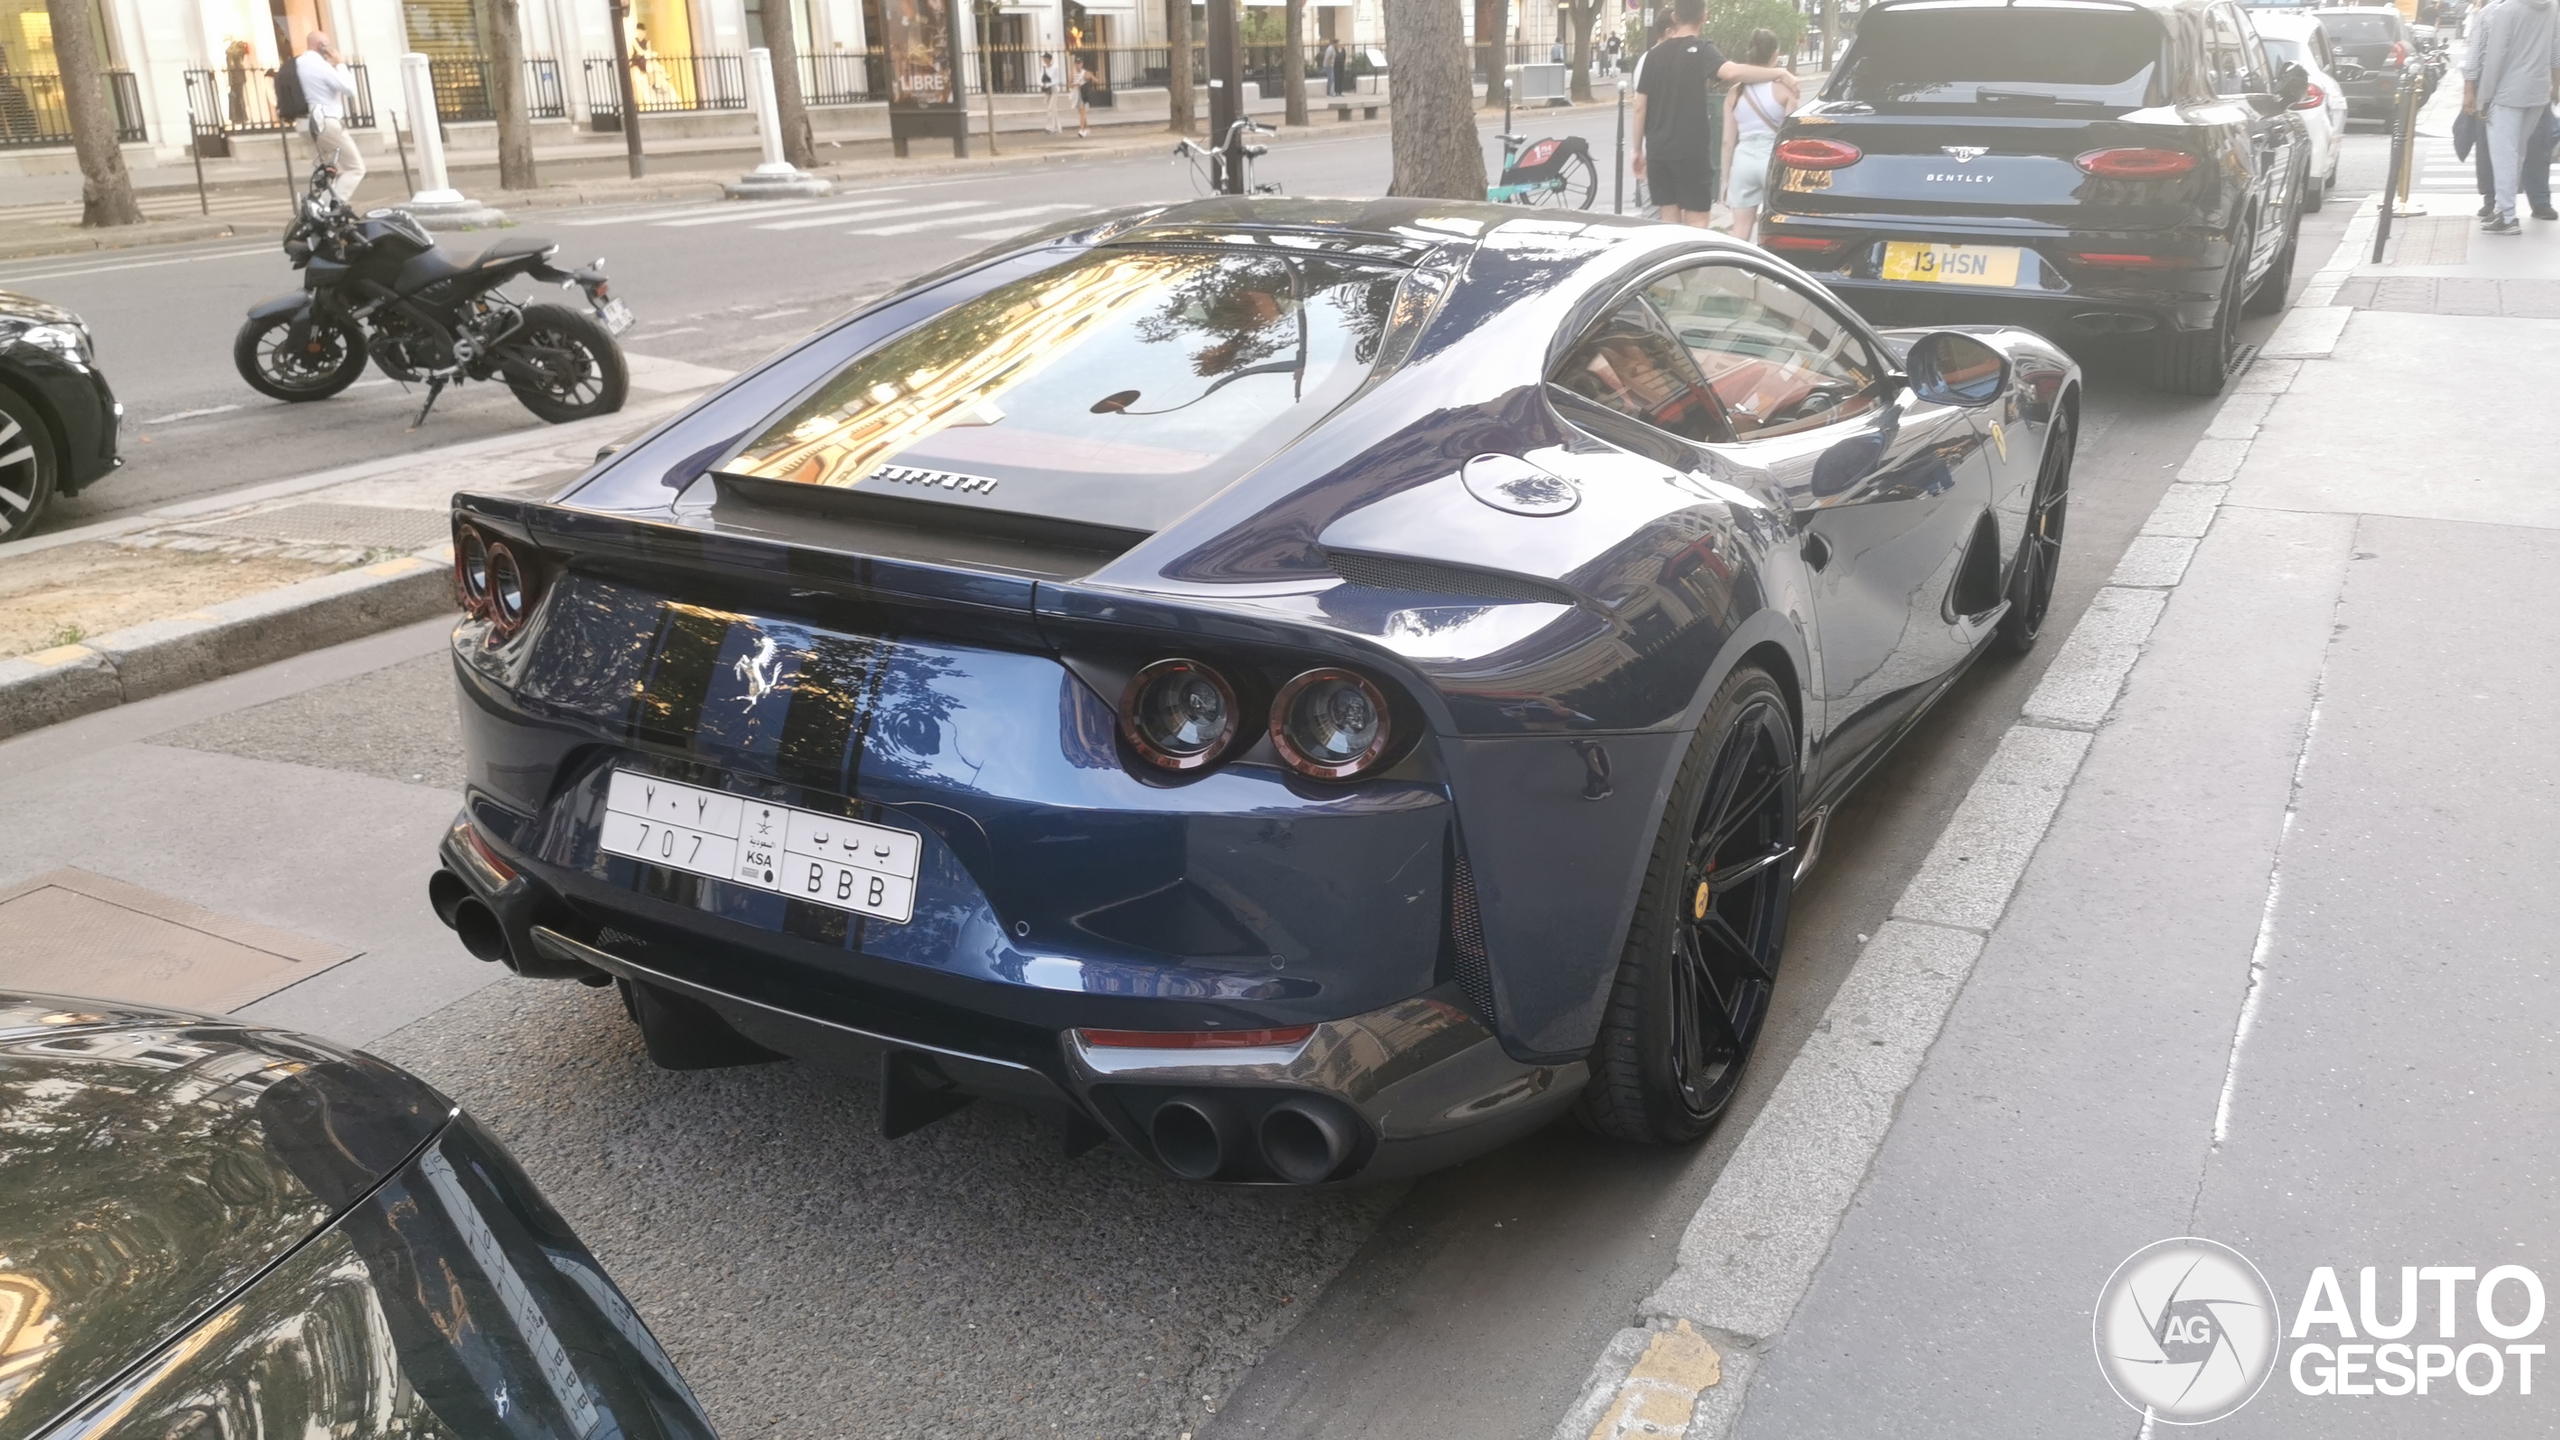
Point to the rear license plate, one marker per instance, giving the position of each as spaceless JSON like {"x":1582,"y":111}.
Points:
{"x":615,"y":316}
{"x":1931,"y":263}
{"x":824,"y":859}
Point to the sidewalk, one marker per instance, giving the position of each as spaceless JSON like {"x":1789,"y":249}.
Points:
{"x":2245,"y":935}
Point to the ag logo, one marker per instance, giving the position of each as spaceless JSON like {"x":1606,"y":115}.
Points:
{"x":2186,"y":1330}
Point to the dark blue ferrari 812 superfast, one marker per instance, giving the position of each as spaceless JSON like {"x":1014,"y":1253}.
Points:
{"x":1309,"y":690}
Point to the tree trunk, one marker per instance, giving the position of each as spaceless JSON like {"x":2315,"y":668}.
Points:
{"x":502,"y":33}
{"x":1583,"y":13}
{"x":1492,"y":51}
{"x":790,"y":108}
{"x":1432,"y":103}
{"x":1177,"y":74}
{"x":106,"y":187}
{"x":1293,"y":67}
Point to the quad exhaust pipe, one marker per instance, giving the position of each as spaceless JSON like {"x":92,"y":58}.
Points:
{"x":1207,"y":1135}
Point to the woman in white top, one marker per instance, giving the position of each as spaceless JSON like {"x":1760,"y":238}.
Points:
{"x":1752,"y":114}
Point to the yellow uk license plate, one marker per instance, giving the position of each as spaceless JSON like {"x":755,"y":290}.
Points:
{"x":1936,"y":264}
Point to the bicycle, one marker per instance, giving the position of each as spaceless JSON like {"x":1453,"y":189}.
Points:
{"x":1556,"y":173}
{"x":1211,"y":179}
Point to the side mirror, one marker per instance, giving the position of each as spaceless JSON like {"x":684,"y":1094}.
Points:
{"x":2292,"y":82}
{"x":1950,"y":368}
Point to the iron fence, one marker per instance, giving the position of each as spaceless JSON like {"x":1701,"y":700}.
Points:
{"x":667,"y":84}
{"x":844,"y":77}
{"x":33,"y":112}
{"x":243,"y":102}
{"x":463,"y":92}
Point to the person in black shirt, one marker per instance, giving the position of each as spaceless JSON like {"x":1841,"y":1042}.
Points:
{"x":1675,"y":115}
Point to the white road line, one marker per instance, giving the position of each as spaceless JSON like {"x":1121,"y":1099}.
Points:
{"x":190,"y":414}
{"x":643,"y":217}
{"x":672,"y":330}
{"x":142,"y":264}
{"x":895,"y":207}
{"x":1009,"y":231}
{"x":778,"y":314}
{"x":751,"y":210}
{"x":914,"y":226}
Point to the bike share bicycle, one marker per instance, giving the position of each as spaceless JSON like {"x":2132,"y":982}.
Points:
{"x":1233,"y":151}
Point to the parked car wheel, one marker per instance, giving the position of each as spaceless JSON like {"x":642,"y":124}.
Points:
{"x":2315,"y":192}
{"x":2269,"y":297}
{"x":2198,"y":362}
{"x":2040,"y":549}
{"x":1702,"y":953}
{"x":27,"y":466}
{"x":332,"y":360}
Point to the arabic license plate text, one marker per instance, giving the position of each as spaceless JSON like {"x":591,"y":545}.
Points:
{"x":824,"y":859}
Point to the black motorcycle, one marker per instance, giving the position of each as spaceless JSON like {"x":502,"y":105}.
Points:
{"x":376,"y":287}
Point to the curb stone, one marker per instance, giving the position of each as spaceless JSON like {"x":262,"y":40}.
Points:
{"x":159,"y":656}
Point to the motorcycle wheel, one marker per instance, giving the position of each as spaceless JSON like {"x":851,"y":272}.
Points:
{"x":582,"y":369}
{"x":334,"y":356}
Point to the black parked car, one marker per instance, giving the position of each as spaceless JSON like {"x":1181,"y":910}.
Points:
{"x":57,"y":416}
{"x":1312,"y":689}
{"x":2105,"y":167}
{"x":2377,"y":40}
{"x":209,"y":1230}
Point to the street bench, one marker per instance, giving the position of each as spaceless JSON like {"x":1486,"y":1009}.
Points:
{"x":1342,"y":109}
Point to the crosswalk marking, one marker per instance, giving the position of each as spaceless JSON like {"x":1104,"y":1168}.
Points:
{"x":910,"y":227}
{"x":1022,"y":212}
{"x":759,"y":210}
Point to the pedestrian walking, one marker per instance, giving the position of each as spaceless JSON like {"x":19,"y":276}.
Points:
{"x":1752,"y":114}
{"x":1329,"y":60}
{"x":2510,"y":77}
{"x":2469,"y":143}
{"x":1610,"y":49}
{"x":1675,"y":116}
{"x":327,"y":91}
{"x":1085,"y":86}
{"x":1053,"y":99}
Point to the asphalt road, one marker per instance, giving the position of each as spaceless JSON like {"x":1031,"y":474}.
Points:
{"x":812,"y":1279}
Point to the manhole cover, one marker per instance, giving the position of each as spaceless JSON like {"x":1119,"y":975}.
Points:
{"x":75,"y":933}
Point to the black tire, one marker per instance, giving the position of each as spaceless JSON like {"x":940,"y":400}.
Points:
{"x":1579,"y":181}
{"x":2040,"y":549}
{"x":29,"y":467}
{"x":2269,"y":297}
{"x":2198,"y":362}
{"x":1702,"y":955}
{"x":585,"y":376}
{"x":2315,"y":190}
{"x":332,"y":360}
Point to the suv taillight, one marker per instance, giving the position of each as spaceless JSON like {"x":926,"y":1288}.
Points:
{"x":1803,"y":154}
{"x":2399,"y":53}
{"x":2313,"y":97}
{"x":2136,"y":163}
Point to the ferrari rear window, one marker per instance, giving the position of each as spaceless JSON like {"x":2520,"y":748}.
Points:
{"x":2006,"y":57}
{"x":1120,"y":388}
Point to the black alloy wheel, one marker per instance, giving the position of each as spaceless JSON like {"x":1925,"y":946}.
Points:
{"x":580,"y":368}
{"x":27,"y":466}
{"x":1702,"y":953}
{"x":329,"y":358}
{"x":1576,"y":183}
{"x":2198,"y":362}
{"x":2040,"y":549}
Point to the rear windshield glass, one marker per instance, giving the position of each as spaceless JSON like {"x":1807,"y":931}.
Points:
{"x":2009,"y":57}
{"x":2371,"y":29}
{"x":1122,"y":388}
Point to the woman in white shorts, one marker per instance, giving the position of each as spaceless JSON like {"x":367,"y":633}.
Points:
{"x":1752,"y":115}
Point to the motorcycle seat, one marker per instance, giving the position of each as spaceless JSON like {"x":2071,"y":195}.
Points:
{"x":424,"y":270}
{"x":513,"y":249}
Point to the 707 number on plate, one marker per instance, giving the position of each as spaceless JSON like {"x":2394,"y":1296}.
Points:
{"x":824,"y":859}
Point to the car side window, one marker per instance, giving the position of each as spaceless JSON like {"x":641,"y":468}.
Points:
{"x":1629,"y":363}
{"x":2225,"y":52}
{"x":2262,"y":75}
{"x":1776,"y":360}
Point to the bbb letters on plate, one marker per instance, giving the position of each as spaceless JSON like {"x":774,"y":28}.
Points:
{"x":825,"y":859}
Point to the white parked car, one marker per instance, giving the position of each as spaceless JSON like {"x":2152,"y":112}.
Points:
{"x":2323,"y":107}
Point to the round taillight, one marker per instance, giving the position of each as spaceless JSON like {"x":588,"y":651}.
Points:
{"x":1179,"y":714}
{"x":471,"y":569}
{"x":2136,"y":163}
{"x":1330,"y":724}
{"x":1806,"y":154}
{"x":508,"y":597}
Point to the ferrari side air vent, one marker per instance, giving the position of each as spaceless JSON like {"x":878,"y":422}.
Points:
{"x":1429,"y":578}
{"x":1466,"y":934}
